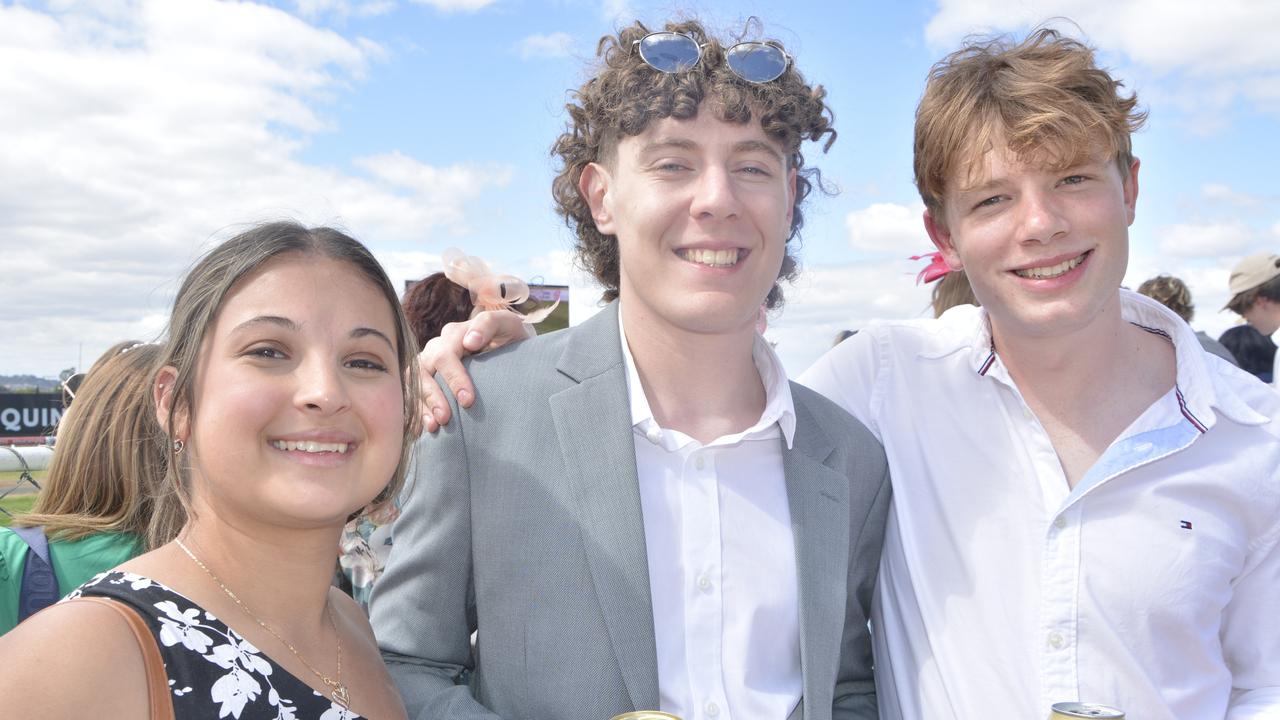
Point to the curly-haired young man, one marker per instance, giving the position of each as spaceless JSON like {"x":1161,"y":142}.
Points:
{"x":642,"y":513}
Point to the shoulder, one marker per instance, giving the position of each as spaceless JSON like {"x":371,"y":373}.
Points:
{"x":74,"y":659}
{"x":12,"y":551}
{"x":816,"y":414}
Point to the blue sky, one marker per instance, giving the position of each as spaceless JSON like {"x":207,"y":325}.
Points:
{"x":139,"y":133}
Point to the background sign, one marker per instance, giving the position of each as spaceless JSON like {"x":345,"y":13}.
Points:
{"x":29,"y":414}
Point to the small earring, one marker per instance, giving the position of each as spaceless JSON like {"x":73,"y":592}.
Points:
{"x":178,"y":447}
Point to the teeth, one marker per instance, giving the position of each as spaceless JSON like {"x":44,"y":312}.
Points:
{"x":711,"y":258}
{"x":1052,"y":271}
{"x":310,"y":447}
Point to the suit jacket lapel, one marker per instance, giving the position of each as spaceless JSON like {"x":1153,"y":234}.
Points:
{"x":819,"y":500}
{"x":592,"y":422}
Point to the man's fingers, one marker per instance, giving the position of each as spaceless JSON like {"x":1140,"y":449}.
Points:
{"x":443,"y":356}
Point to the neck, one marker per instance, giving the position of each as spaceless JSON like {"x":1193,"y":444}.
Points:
{"x":281,"y":577}
{"x":1068,"y":369}
{"x":704,"y":385}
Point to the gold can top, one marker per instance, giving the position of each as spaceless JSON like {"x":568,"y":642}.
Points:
{"x":1068,"y":710}
{"x":645,"y":715}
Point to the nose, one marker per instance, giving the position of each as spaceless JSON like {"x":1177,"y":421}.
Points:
{"x":715,"y":196}
{"x":321,"y":388}
{"x":1042,"y":219}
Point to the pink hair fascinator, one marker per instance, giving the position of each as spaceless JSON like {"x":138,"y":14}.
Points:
{"x":936,"y":268}
{"x":488,"y":290}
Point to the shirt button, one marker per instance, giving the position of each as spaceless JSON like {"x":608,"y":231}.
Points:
{"x":712,"y":709}
{"x":704,"y":583}
{"x":1060,"y":522}
{"x":654,"y":435}
{"x":1056,"y":641}
{"x":699,"y":463}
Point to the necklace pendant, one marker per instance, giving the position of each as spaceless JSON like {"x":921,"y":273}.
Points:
{"x":341,"y":697}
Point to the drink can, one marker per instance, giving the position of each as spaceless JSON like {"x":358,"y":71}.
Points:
{"x":1070,"y":710}
{"x":645,"y":715}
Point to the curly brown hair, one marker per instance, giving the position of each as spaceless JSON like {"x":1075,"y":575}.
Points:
{"x":625,"y":95}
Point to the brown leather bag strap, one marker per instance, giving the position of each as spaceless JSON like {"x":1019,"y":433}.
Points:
{"x":158,"y":698}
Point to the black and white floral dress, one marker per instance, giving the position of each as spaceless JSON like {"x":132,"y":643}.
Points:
{"x":213,"y":672}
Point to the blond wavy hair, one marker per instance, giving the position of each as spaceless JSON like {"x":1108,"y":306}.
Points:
{"x":1045,"y":97}
{"x":108,"y":463}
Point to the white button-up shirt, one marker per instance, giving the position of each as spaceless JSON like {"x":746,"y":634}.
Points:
{"x":1152,"y":586}
{"x":722,"y":564}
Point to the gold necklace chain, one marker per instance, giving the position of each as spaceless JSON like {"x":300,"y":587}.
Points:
{"x":340,"y":694}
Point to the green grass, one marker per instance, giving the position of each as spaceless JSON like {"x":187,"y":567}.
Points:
{"x":16,"y":504}
{"x":10,"y":477}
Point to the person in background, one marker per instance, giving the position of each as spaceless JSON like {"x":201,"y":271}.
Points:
{"x":1253,"y":351}
{"x":843,"y":335}
{"x":1255,"y":296}
{"x":429,"y":305}
{"x":284,"y":393}
{"x":1175,"y":295}
{"x":97,"y":499}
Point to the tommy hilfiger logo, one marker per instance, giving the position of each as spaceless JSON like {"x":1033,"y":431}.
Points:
{"x":1185,"y":524}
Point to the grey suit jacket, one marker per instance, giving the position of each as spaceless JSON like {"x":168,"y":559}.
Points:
{"x":522,"y":523}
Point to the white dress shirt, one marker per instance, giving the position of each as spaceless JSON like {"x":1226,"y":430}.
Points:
{"x":1152,"y":586}
{"x":722,"y":564}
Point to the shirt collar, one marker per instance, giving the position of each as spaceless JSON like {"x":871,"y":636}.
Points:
{"x":779,"y":408}
{"x":1200,"y":387}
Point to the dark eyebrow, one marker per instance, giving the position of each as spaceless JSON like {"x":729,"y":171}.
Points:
{"x":367,"y":331}
{"x":288,"y":324}
{"x":759,"y":146}
{"x":283,"y":322}
{"x":665,"y":143}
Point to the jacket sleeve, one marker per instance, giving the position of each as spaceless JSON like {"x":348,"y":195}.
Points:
{"x":423,"y":605}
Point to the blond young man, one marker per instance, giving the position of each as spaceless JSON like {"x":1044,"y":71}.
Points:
{"x":1086,"y":505}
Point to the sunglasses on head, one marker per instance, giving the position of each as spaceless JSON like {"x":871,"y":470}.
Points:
{"x":671,"y":52}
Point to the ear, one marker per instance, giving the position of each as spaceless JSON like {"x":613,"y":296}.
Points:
{"x":163,"y":393}
{"x":594,"y":185}
{"x":1131,"y":190}
{"x":942,"y":239}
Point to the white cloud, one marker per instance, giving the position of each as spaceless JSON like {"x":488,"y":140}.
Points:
{"x":828,"y":298}
{"x":617,"y":11}
{"x":1275,"y":230}
{"x":552,"y":45}
{"x":343,"y":8}
{"x":1224,"y":49}
{"x":1209,"y":38}
{"x":1226,"y":195}
{"x":140,"y":133}
{"x":888,"y":227}
{"x":1205,"y":240}
{"x":450,"y":6}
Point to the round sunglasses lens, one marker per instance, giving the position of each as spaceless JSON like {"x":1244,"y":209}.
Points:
{"x":756,"y":62}
{"x":669,"y":52}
